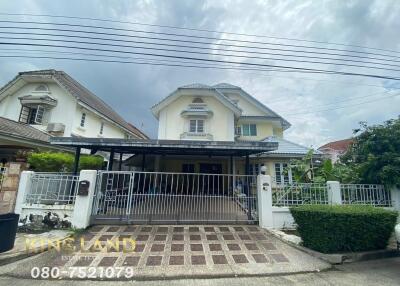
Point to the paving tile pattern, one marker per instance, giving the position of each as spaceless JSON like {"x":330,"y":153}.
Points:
{"x":178,"y":246}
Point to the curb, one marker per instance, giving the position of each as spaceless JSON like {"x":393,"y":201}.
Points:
{"x":340,"y":258}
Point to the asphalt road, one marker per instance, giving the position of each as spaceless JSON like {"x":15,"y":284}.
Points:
{"x":375,"y":272}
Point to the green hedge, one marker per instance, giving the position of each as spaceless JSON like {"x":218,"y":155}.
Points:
{"x":62,"y":162}
{"x":332,"y":229}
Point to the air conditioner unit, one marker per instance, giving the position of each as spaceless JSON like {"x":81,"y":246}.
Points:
{"x":55,"y":127}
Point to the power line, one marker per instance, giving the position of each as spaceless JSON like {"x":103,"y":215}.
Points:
{"x":301,"y":69}
{"x":195,"y":52}
{"x":192,"y":36}
{"x":344,"y":100}
{"x":198,"y":30}
{"x":202,"y":43}
{"x":205,"y":48}
{"x":340,"y":107}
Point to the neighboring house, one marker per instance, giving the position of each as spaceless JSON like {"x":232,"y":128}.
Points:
{"x":224,"y":112}
{"x":56,"y":104}
{"x":333,"y":150}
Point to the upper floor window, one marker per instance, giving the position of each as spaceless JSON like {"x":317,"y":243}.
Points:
{"x":32,"y":114}
{"x":101,"y":128}
{"x":196,"y":126}
{"x":249,"y":130}
{"x":283,"y":175}
{"x":83,"y":119}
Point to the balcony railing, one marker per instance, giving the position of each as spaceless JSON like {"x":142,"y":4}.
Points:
{"x":196,"y":136}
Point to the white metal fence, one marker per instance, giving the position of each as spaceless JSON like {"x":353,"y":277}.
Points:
{"x":375,"y":195}
{"x":299,"y":194}
{"x":144,"y":197}
{"x":52,"y":189}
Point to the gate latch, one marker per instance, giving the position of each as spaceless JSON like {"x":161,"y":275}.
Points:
{"x":83,"y":188}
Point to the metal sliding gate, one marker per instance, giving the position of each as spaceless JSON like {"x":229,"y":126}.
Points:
{"x":151,"y":197}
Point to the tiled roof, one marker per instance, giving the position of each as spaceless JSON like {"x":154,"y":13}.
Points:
{"x":85,"y":96}
{"x":225,"y":85}
{"x":286,"y":147}
{"x":196,"y":85}
{"x":341,"y":145}
{"x":24,"y":131}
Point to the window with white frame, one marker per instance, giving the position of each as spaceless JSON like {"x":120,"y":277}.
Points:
{"x":249,"y":130}
{"x":83,"y":119}
{"x":101,"y":128}
{"x":283,"y":175}
{"x":32,"y":114}
{"x":196,"y":126}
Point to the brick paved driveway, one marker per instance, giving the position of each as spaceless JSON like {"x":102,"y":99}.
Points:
{"x":171,"y":251}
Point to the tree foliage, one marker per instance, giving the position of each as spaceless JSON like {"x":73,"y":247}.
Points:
{"x":310,"y":169}
{"x":375,"y":153}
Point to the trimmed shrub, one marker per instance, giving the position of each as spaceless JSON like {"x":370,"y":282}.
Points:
{"x":62,"y":162}
{"x":330,"y":229}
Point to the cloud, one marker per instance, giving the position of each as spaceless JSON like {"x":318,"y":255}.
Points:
{"x":132,"y":89}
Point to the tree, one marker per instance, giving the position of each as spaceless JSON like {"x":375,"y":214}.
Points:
{"x":375,"y":153}
{"x":310,"y":170}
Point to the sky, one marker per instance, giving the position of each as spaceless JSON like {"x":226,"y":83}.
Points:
{"x":312,"y":103}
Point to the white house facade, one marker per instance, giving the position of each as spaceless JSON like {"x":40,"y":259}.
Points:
{"x":227,"y":113}
{"x":55,"y":103}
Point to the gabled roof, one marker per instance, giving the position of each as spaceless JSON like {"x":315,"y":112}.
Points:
{"x":80,"y":92}
{"x":340,"y":145}
{"x":286,"y":147}
{"x":221,"y":89}
{"x":196,"y":86}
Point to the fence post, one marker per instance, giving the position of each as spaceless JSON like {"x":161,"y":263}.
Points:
{"x":83,"y":203}
{"x":264,"y":193}
{"x":395,"y":197}
{"x":25,"y":183}
{"x":334,"y":193}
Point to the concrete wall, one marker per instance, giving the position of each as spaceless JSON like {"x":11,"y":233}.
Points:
{"x":282,"y":217}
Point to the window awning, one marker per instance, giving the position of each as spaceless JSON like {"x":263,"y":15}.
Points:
{"x":29,"y":100}
{"x":166,"y":147}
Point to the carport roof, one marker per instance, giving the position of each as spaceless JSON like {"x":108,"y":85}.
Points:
{"x":167,"y":147}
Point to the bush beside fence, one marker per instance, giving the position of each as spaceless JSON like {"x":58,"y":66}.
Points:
{"x":330,"y":229}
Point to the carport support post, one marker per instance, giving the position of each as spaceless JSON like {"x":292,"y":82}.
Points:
{"x":120,"y":161}
{"x":83,"y":203}
{"x":264,"y":193}
{"x":76,"y":161}
{"x":111,"y":160}
{"x":143,"y":161}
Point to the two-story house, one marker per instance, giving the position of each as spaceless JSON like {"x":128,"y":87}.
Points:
{"x":226,"y":113}
{"x":55,"y":104}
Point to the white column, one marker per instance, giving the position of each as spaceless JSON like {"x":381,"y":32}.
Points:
{"x":25,"y":183}
{"x":264,"y":193}
{"x":334,"y":194}
{"x":395,"y":196}
{"x":83,"y":204}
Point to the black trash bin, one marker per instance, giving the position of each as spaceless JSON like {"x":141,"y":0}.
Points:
{"x":8,"y":230}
